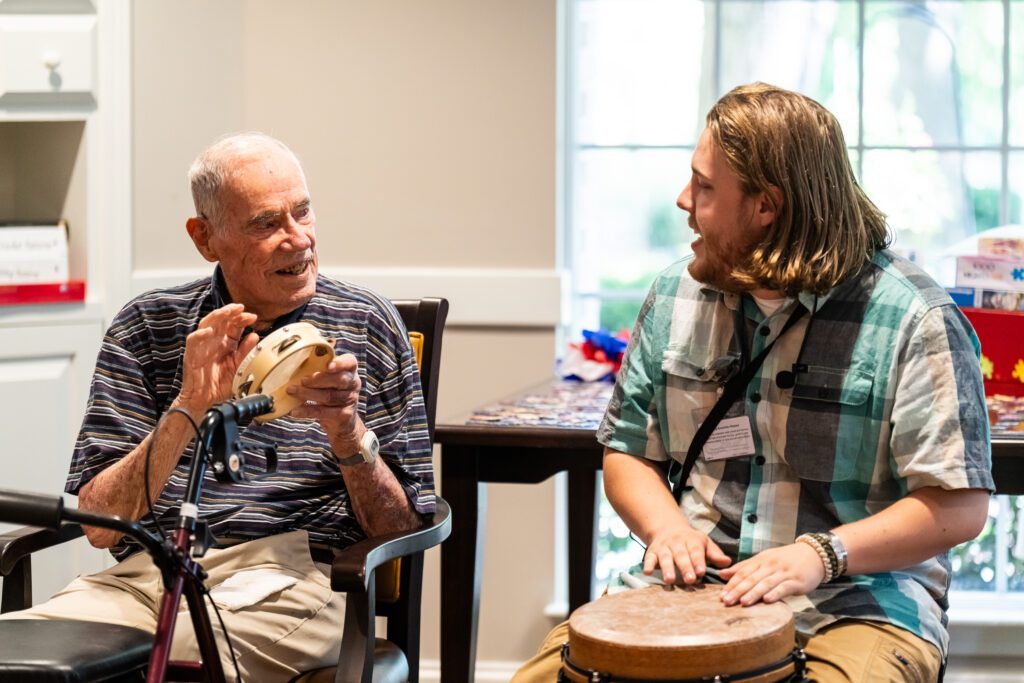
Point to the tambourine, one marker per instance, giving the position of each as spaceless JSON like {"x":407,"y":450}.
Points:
{"x":280,"y":360}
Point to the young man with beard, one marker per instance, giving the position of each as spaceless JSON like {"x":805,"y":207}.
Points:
{"x":866,"y":417}
{"x":179,"y":348}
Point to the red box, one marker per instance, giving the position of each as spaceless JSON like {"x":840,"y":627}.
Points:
{"x":72,"y":291}
{"x":1002,"y":349}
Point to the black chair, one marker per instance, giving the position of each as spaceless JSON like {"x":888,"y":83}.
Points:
{"x":87,"y":652}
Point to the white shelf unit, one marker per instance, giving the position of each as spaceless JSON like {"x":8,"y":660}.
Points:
{"x":65,"y":139}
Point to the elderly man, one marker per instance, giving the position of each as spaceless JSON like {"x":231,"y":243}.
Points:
{"x":179,"y":348}
{"x":851,"y":448}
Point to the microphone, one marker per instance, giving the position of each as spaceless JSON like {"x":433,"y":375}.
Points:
{"x":31,"y":509}
{"x":252,"y":406}
{"x":787,"y":378}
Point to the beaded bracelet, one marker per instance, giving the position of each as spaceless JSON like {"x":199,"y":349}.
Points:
{"x":819,"y":548}
{"x":833,"y":560}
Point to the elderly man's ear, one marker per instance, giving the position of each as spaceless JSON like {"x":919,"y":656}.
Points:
{"x":199,"y":230}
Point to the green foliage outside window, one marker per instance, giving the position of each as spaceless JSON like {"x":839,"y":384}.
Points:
{"x":976,"y":566}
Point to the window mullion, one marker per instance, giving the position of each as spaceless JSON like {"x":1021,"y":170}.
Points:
{"x":1004,"y":194}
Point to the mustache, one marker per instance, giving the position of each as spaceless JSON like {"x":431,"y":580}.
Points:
{"x":306,"y":256}
{"x":691,"y":222}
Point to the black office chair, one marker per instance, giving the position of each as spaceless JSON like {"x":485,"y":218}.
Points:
{"x":382,"y":576}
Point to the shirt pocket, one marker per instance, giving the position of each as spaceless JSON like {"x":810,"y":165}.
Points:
{"x":828,"y":422}
{"x":691,"y":391}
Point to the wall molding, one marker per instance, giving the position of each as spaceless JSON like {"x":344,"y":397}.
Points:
{"x":485,"y":297}
{"x":984,"y":676}
{"x":487,"y":671}
{"x":497,"y":671}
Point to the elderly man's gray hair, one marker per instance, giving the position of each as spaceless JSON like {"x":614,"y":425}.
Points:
{"x":213,"y":166}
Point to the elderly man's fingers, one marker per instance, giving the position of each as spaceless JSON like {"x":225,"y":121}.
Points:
{"x":245,"y":345}
{"x":337,"y":398}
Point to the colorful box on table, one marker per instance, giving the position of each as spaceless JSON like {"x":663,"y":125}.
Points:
{"x":969,"y":297}
{"x":1002,"y":349}
{"x":1002,"y":247}
{"x":988,"y":272}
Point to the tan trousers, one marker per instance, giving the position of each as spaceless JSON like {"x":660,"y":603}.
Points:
{"x":275,"y":636}
{"x":847,"y":652}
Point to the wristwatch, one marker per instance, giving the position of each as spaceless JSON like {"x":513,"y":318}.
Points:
{"x":369,"y":446}
{"x":839,"y":550}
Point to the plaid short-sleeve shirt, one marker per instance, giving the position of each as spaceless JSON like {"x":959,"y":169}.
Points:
{"x":890,"y":400}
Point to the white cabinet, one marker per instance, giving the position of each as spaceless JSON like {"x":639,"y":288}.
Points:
{"x":47,"y":55}
{"x":44,"y":381}
{"x":65,"y":135}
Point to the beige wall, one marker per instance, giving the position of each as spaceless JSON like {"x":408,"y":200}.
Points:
{"x":428,"y":127}
{"x":427,"y":131}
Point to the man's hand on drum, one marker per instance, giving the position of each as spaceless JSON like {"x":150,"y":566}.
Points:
{"x":212,"y":355}
{"x":683,"y":548}
{"x":773,"y":574}
{"x":332,"y":398}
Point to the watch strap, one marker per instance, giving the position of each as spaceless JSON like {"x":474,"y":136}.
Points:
{"x":368,"y":447}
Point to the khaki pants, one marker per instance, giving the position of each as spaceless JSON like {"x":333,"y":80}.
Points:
{"x":847,"y":652}
{"x":275,"y":636}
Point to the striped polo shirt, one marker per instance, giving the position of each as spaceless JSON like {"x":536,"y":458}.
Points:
{"x":890,"y":400}
{"x":138,"y":375}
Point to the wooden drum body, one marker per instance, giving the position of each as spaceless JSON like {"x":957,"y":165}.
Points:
{"x":280,"y":360}
{"x":680,"y":634}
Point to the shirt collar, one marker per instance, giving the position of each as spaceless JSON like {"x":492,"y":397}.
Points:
{"x":222,"y":297}
{"x":732,"y":300}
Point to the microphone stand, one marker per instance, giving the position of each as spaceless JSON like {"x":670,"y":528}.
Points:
{"x":218,"y":437}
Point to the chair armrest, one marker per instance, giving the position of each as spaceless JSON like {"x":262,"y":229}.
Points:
{"x":18,"y":543}
{"x":353,"y":566}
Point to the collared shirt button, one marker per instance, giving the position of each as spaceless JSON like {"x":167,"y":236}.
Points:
{"x":759,"y":460}
{"x":752,"y":518}
{"x":765,"y":330}
{"x":755,"y":397}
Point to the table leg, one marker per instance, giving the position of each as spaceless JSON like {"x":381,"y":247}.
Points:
{"x":461,"y":562}
{"x":582,"y":535}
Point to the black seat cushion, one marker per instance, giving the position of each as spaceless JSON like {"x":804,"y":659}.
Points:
{"x":71,"y":651}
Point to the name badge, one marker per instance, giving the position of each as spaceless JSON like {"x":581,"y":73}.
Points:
{"x":732,"y":438}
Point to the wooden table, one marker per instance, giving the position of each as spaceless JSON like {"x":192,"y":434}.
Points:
{"x":525,"y":440}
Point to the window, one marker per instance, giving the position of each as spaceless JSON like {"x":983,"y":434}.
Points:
{"x":932,"y":105}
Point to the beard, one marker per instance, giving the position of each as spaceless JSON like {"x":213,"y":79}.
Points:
{"x":719,"y":260}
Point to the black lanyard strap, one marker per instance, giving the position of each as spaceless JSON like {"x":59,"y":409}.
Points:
{"x":678,"y":473}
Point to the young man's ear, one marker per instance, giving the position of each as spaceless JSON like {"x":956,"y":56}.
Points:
{"x":199,"y":230}
{"x":768,"y":206}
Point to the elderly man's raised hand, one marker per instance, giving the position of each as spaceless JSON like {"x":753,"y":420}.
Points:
{"x":213,"y":353}
{"x":332,"y":398}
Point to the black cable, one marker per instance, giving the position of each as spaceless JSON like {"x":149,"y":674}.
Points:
{"x":227,"y":636}
{"x":149,"y":455}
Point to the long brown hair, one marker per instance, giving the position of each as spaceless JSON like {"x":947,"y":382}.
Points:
{"x":826,"y":227}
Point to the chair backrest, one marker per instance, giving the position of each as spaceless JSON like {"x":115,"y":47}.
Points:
{"x":400,"y":584}
{"x":426,"y":317}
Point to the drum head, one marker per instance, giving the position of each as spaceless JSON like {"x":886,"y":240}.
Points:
{"x":662,"y":633}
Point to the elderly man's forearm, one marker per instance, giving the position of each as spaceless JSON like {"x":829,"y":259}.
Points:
{"x":118,"y":490}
